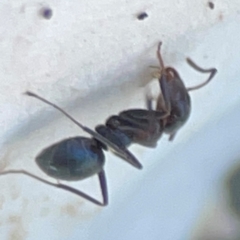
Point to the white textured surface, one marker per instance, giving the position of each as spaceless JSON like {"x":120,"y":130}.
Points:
{"x":92,"y":58}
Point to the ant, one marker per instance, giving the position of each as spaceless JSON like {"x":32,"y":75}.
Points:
{"x":78,"y":158}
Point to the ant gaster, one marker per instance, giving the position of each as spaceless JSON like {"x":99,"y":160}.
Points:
{"x":78,"y":158}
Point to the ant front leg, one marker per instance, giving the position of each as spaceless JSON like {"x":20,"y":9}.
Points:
{"x":164,"y":101}
{"x":164,"y":98}
{"x":101,"y":176}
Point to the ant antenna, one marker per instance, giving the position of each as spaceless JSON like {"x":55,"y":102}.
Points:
{"x":212,"y":72}
{"x":159,"y":56}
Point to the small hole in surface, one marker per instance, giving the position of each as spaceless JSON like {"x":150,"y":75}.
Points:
{"x":211,"y":5}
{"x":142,"y":16}
{"x":46,"y":12}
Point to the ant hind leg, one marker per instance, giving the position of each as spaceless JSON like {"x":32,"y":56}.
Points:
{"x":102,"y":180}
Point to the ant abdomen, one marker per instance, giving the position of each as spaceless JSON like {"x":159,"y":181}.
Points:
{"x":72,"y":159}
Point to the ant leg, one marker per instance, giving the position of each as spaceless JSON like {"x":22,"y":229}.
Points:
{"x":67,"y":188}
{"x":161,"y":68}
{"x":212,"y":72}
{"x":172,"y":136}
{"x":121,"y":152}
{"x":149,"y":102}
{"x":155,"y":67}
{"x":163,"y":81}
{"x":103,"y":185}
{"x":165,"y":104}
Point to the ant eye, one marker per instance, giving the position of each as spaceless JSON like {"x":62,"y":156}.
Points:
{"x":116,"y":122}
{"x":113,"y":122}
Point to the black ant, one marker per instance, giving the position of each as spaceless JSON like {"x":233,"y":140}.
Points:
{"x":78,"y":158}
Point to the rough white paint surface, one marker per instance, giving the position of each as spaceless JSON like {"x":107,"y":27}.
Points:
{"x":92,"y":58}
